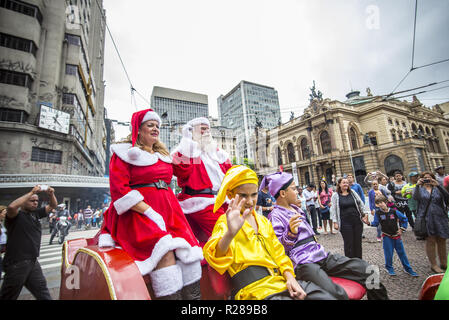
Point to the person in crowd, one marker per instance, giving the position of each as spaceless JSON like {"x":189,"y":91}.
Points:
{"x":356,"y":187}
{"x":388,"y":219}
{"x":310,"y":259}
{"x":52,"y":220}
{"x":317,"y":208}
{"x":446,"y":183}
{"x":145,"y":218}
{"x":60,"y":212}
{"x":23,"y":245}
{"x":302,"y":203}
{"x":407,"y":192}
{"x":347,"y":213}
{"x":96,"y":218}
{"x":311,"y":197}
{"x":3,"y":237}
{"x":88,"y":213}
{"x":401,"y":202}
{"x":440,"y":175}
{"x":80,"y":218}
{"x":432,"y":201}
{"x":324,"y":201}
{"x":200,"y":165}
{"x":375,"y":191}
{"x":244,"y":244}
{"x":264,"y":199}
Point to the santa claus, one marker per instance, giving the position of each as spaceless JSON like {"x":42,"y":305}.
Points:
{"x":199,"y":165}
{"x":145,"y":218}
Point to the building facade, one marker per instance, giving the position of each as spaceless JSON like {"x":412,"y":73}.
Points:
{"x":247,"y":106}
{"x":224,"y":137}
{"x":52,"y":116}
{"x":176,"y":108}
{"x":360,"y":135}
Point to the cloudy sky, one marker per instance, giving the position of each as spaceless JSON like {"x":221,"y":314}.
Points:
{"x":209,"y":46}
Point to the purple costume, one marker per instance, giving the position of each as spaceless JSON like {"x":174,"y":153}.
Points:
{"x":312,"y":263}
{"x":310,"y":252}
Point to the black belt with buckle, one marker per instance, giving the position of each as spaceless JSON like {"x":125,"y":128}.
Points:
{"x":247,"y":276}
{"x":304,"y":241}
{"x":161,"y":184}
{"x":193,"y":192}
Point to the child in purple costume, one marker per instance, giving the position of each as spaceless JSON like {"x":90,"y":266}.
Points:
{"x":311,"y":261}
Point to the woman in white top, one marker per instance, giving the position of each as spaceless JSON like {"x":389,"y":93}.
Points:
{"x":2,"y":236}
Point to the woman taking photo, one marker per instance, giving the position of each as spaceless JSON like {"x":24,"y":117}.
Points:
{"x":145,"y":218}
{"x":432,"y":202}
{"x":347,"y":212}
{"x":324,"y":201}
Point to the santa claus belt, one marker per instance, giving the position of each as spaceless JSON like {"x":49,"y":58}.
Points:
{"x":193,"y":192}
{"x":161,"y":184}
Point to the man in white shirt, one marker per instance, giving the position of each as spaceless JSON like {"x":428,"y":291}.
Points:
{"x":311,"y":197}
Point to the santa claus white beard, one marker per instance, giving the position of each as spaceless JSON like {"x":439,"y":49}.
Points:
{"x":207,"y":144}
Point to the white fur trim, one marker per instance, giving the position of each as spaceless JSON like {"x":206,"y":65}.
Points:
{"x":197,"y":121}
{"x":151,"y":115}
{"x":105,"y":240}
{"x":137,"y":156}
{"x":191,"y":272}
{"x":196,"y":204}
{"x":183,"y":251}
{"x":128,"y":201}
{"x":156,"y":218}
{"x":166,"y":281}
{"x":213,"y":169}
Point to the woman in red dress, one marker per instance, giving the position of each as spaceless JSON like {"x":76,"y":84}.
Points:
{"x":145,"y":218}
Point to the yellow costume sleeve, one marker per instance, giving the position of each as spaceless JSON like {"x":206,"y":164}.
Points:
{"x":220,"y":264}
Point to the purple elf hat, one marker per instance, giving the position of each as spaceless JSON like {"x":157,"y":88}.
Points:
{"x":276,"y":182}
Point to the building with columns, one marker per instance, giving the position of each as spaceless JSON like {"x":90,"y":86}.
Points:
{"x":360,"y":135}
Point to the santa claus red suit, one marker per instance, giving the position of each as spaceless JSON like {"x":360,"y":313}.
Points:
{"x":199,"y":166}
{"x":135,"y":176}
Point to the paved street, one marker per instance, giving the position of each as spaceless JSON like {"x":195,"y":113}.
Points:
{"x":400,"y":287}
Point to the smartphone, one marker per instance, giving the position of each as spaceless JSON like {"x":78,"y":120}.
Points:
{"x":427,"y":181}
{"x":44,"y":187}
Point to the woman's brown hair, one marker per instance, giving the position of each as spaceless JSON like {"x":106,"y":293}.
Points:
{"x":338,"y":183}
{"x":429,"y":173}
{"x":158,"y":146}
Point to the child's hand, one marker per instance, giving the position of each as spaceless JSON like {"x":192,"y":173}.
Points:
{"x":234,"y":219}
{"x":400,"y":232}
{"x":294,"y":288}
{"x":294,"y":223}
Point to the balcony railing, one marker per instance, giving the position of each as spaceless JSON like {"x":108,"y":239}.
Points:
{"x":53,"y":180}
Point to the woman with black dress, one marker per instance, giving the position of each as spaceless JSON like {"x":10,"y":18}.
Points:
{"x":347,"y":213}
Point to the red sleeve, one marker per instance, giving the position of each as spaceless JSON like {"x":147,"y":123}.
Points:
{"x":182,"y":166}
{"x":123,"y":197}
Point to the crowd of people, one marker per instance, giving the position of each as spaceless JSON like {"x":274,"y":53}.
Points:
{"x":262,"y":232}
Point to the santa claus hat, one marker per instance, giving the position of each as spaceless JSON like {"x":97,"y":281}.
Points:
{"x":140,"y":117}
{"x":198,"y":121}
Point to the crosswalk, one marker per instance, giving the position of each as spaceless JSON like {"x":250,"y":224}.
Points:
{"x":50,"y":255}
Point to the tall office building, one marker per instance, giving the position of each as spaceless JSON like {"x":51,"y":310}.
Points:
{"x":52,"y":120}
{"x":176,"y":108}
{"x":245,"y":106}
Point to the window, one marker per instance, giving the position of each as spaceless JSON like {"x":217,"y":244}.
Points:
{"x":17,"y":43}
{"x":325,"y":142}
{"x":71,"y":69}
{"x":279,"y":156}
{"x":291,"y":153}
{"x":11,"y":115}
{"x":22,"y":7}
{"x":390,"y":122}
{"x":73,"y":39}
{"x":16,"y":78}
{"x":305,"y":149}
{"x":353,"y":139}
{"x":46,"y":155}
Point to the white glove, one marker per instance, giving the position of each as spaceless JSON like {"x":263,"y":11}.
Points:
{"x":187,"y":131}
{"x":156,"y":218}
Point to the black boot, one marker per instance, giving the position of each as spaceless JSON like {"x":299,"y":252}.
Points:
{"x":377,"y":294}
{"x":191,"y":291}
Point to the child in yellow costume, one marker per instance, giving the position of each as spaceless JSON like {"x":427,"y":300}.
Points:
{"x":244,"y":244}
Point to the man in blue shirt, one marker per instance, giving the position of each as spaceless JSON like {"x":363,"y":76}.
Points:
{"x":356,"y":187}
{"x":265,"y":200}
